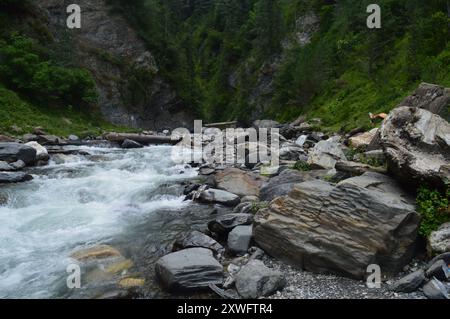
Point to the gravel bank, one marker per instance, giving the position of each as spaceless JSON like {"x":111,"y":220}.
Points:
{"x":306,"y":285}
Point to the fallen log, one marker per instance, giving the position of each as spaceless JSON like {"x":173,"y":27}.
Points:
{"x":140,"y":138}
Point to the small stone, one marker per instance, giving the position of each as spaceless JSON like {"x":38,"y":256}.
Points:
{"x":435,"y":290}
{"x":239,"y":239}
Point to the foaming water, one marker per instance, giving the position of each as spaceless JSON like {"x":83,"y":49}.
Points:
{"x":83,"y":201}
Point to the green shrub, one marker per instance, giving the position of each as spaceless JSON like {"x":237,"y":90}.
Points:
{"x":302,"y":166}
{"x":434,"y":208}
{"x":26,"y":69}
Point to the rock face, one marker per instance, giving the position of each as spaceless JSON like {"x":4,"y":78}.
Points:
{"x":111,"y":50}
{"x":239,"y":182}
{"x":433,"y":98}
{"x":325,"y":154}
{"x":255,"y":280}
{"x":439,"y":241}
{"x":341,"y":229}
{"x":12,"y":152}
{"x":284,"y":183}
{"x":193,"y":268}
{"x":417,"y":146}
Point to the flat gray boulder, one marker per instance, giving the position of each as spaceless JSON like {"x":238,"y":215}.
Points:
{"x":409,"y":283}
{"x":341,"y":229}
{"x":212,"y":195}
{"x":193,"y":268}
{"x":12,"y":152}
{"x":239,"y":239}
{"x":255,"y":280}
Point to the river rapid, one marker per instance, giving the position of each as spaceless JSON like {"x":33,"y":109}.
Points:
{"x":129,"y":199}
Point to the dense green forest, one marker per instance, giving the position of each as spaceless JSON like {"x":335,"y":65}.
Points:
{"x":214,"y":53}
{"x":345,"y":72}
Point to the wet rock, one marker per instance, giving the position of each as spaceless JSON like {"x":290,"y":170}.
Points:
{"x":12,"y":152}
{"x":131,"y":282}
{"x":417,"y":147}
{"x":129,"y":144}
{"x":225,"y":223}
{"x":4,"y":166}
{"x":18,"y":165}
{"x":195,"y":239}
{"x":255,"y":280}
{"x":363,"y":140}
{"x":41,"y":152}
{"x":439,"y":240}
{"x":341,"y":229}
{"x":239,"y":182}
{"x":409,"y":283}
{"x":96,"y":252}
{"x":14,"y":177}
{"x":239,"y":239}
{"x":283,"y":183}
{"x":193,"y":268}
{"x":325,"y":154}
{"x":435,"y":289}
{"x":212,"y":195}
{"x":206,"y":171}
{"x":243,"y":208}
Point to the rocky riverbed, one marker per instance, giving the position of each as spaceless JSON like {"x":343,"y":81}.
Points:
{"x":139,"y":225}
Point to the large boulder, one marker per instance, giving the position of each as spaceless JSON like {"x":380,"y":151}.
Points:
{"x":212,"y":195}
{"x":417,"y":146}
{"x":341,"y":229}
{"x":433,"y":98}
{"x":439,"y":240}
{"x":239,"y":182}
{"x":325,"y":154}
{"x":12,"y":152}
{"x":193,"y":268}
{"x":284,"y":183}
{"x":255,"y":280}
{"x":41,"y":151}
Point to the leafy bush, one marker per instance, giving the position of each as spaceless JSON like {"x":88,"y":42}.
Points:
{"x":434,"y":207}
{"x":302,"y":166}
{"x":25,"y":68}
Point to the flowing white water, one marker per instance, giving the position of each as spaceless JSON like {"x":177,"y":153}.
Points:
{"x":83,"y":201}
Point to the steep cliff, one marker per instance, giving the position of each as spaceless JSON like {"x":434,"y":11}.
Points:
{"x":131,"y":91}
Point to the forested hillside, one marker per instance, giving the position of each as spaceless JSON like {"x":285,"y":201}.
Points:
{"x":253,"y":58}
{"x":219,"y":60}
